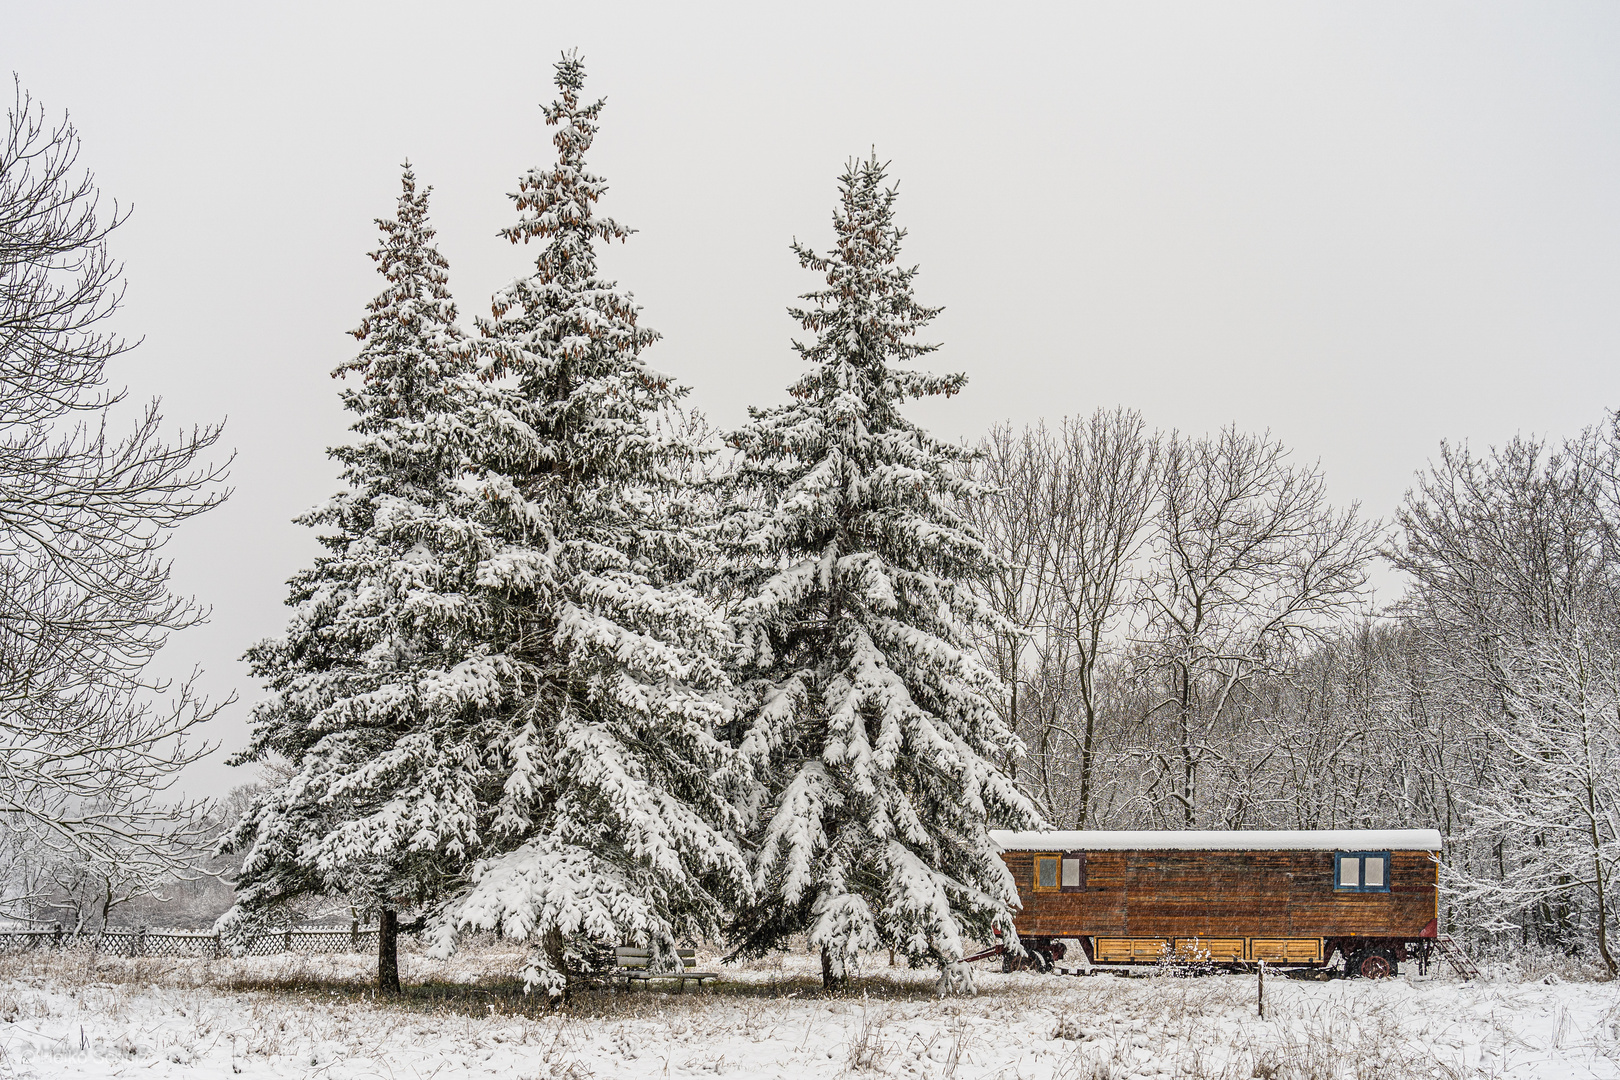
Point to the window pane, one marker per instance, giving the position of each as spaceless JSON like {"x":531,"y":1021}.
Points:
{"x":1375,"y":871}
{"x":1047,"y":870}
{"x":1350,"y":871}
{"x":1071,"y":873}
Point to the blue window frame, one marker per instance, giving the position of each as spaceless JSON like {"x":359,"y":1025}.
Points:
{"x":1361,"y":871}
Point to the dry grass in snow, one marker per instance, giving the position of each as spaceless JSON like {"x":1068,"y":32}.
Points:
{"x":75,"y":1015}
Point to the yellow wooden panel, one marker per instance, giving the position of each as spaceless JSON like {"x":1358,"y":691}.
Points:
{"x":1131,"y":950}
{"x":1210,"y":950}
{"x":1305,"y":950}
{"x":1286,"y":950}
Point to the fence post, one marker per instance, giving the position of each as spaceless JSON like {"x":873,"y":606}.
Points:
{"x":354,"y":934}
{"x":56,"y":936}
{"x":1260,"y":990}
{"x":287,"y":940}
{"x":219,"y":946}
{"x":140,"y":941}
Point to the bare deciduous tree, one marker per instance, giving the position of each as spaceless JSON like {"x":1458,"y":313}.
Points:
{"x":1014,"y":522}
{"x":1515,"y":597}
{"x":1068,"y":518}
{"x":89,"y":738}
{"x":1249,"y":561}
{"x":1100,"y":496}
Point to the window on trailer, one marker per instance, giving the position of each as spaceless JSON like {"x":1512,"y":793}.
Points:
{"x":1047,"y":872}
{"x":1074,"y":871}
{"x":1361,"y":871}
{"x":1065,"y":872}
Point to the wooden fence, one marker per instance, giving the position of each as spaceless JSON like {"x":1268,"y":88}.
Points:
{"x":146,"y":942}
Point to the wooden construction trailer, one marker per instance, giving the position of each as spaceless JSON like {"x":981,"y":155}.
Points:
{"x":1228,"y":898}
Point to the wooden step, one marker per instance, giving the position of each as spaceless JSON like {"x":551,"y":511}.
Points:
{"x":1454,"y":955}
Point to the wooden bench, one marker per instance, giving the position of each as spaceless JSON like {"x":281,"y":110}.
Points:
{"x":632,"y":963}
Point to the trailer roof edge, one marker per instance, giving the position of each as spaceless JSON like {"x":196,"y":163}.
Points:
{"x":1220,"y":840}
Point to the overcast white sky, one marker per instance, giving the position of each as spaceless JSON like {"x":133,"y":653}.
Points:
{"x":1364,"y":226}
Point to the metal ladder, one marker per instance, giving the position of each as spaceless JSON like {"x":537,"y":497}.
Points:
{"x":1448,"y":948}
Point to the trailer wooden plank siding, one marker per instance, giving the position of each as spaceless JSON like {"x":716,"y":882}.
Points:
{"x":1228,"y":897}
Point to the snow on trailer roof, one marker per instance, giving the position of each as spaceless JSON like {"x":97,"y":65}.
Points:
{"x":1222,"y":840}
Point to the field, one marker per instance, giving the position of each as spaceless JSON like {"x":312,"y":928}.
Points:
{"x":73,"y":1015}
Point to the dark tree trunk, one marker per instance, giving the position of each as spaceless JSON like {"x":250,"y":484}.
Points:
{"x":829,"y":981}
{"x":1602,"y":900}
{"x":1086,"y":756}
{"x":552,"y":943}
{"x":388,"y":951}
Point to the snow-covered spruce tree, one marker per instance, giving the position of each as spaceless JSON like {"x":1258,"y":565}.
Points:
{"x":381,"y":689}
{"x":617,"y":801}
{"x":866,"y":711}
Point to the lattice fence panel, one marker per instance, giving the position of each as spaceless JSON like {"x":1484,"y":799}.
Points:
{"x":333,"y":941}
{"x":195,"y":943}
{"x":18,"y":940}
{"x":169,"y":943}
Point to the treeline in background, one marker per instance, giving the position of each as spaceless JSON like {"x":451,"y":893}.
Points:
{"x":1191,"y":643}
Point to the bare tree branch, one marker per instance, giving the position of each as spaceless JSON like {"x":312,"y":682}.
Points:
{"x":90,"y":738}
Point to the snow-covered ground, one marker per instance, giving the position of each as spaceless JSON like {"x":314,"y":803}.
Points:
{"x":74,"y":1016}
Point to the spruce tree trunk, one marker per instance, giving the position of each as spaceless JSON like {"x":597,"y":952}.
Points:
{"x":388,"y":951}
{"x":552,"y":943}
{"x":829,"y":981}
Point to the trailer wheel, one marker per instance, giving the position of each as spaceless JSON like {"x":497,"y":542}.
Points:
{"x":1374,"y":963}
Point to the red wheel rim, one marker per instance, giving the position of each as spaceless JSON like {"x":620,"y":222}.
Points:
{"x":1375,"y":967}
